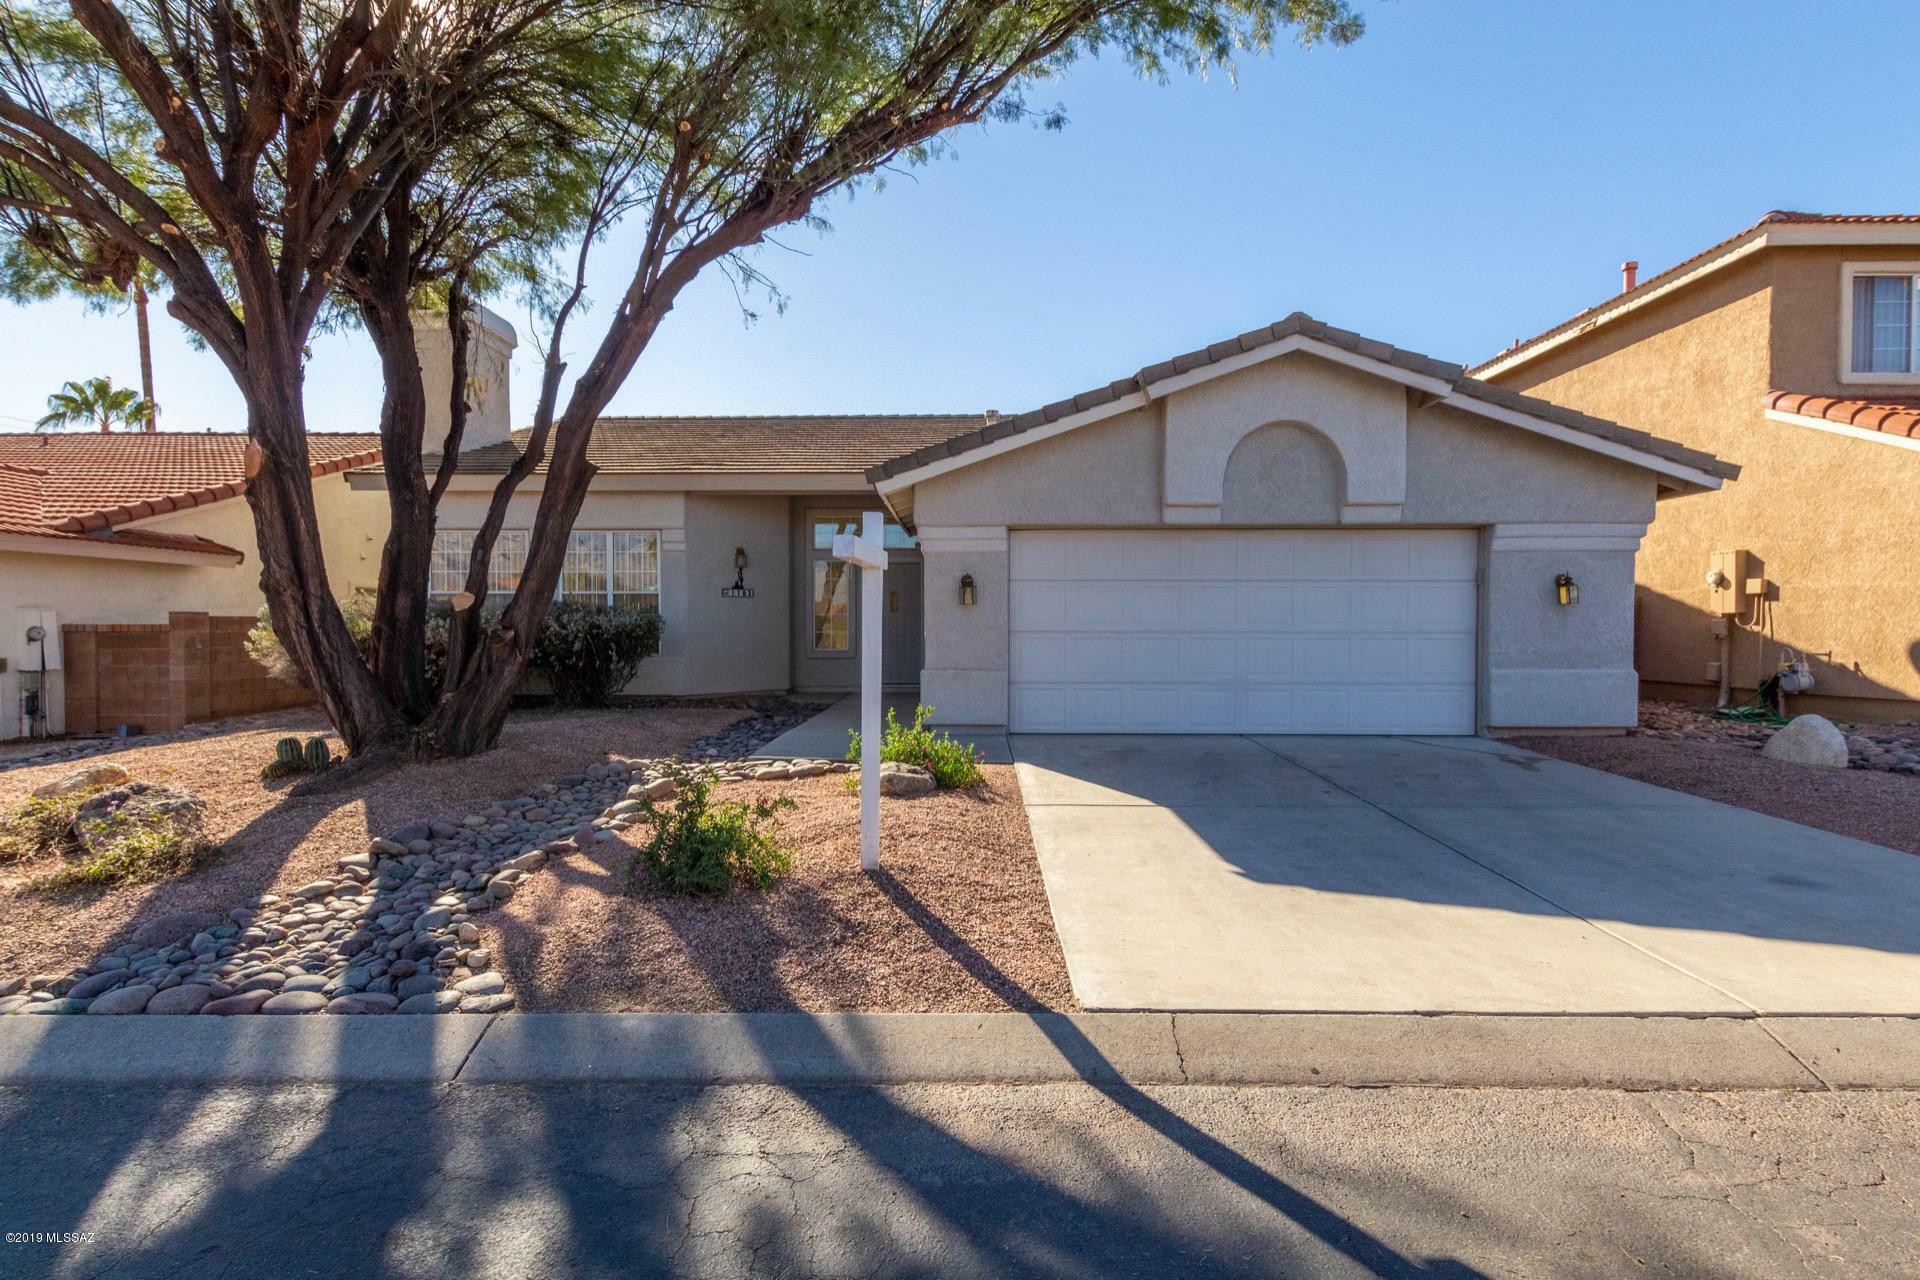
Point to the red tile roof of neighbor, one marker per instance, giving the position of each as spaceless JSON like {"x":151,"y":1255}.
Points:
{"x":85,"y":486}
{"x":1893,"y":415}
{"x":1776,"y":217}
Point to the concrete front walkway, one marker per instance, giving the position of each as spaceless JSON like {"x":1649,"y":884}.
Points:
{"x":825,"y":736}
{"x":1447,"y":875}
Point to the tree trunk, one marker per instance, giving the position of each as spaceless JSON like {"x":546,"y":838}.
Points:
{"x":146,"y":351}
{"x":293,"y":571}
{"x":400,"y":611}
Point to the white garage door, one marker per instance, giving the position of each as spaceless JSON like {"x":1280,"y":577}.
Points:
{"x":1250,"y":631}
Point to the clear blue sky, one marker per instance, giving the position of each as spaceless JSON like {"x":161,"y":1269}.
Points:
{"x":1471,"y":172}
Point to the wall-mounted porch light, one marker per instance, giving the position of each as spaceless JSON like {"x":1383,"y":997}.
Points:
{"x":1567,"y":589}
{"x":967,"y":594}
{"x":739,"y":568}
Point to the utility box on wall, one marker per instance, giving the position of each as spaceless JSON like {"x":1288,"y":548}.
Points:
{"x":1727,"y":581}
{"x":22,"y":654}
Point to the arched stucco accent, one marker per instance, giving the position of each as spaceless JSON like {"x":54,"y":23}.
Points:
{"x":1362,"y":417}
{"x":1284,"y":473}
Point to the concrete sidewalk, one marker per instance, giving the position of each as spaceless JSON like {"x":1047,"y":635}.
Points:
{"x":902,"y":1048}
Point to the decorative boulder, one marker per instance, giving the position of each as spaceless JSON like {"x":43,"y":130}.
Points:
{"x":102,"y":821}
{"x":904,"y":779}
{"x":94,"y":775}
{"x":1809,"y":740}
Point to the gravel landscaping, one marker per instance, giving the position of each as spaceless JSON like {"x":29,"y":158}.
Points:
{"x":495,"y":902}
{"x":1875,"y":799}
{"x":275,"y":843}
{"x":957,"y":921}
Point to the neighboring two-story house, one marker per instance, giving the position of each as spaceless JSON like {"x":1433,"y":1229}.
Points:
{"x":1793,"y":350}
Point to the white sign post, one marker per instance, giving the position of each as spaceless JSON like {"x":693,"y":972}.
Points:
{"x":869,"y":552}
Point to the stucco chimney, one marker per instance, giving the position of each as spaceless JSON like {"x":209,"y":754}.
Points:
{"x":490,"y":347}
{"x":1629,"y":276}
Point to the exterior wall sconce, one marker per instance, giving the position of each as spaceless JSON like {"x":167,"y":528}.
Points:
{"x":967,"y":594}
{"x":739,"y":590}
{"x":1568,"y":589}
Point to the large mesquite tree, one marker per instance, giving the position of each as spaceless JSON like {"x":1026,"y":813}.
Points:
{"x":301,"y":143}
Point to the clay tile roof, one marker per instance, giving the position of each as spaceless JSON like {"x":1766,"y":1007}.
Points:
{"x":1773,"y":218}
{"x":1891,"y":415}
{"x":85,"y":486}
{"x":1304,"y":325}
{"x":795,"y":444}
{"x":97,"y":480}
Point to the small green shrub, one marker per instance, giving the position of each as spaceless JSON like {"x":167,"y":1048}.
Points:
{"x":586,"y":652}
{"x":698,"y":847}
{"x":137,"y":852}
{"x":39,"y":826}
{"x":952,"y":764}
{"x":590,"y":653}
{"x":141,"y":853}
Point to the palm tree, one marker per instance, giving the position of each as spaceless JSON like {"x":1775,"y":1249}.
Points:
{"x":95,"y":400}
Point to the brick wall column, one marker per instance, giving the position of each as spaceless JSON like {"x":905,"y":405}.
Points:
{"x":189,"y":684}
{"x":81,"y":679}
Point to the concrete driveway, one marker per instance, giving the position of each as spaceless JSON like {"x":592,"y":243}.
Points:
{"x":1446,"y":875}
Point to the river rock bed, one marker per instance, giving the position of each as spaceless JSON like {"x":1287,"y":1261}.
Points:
{"x":1885,"y":748}
{"x":394,"y":930}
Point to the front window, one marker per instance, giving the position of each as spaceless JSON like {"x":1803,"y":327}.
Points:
{"x":616,"y":570}
{"x":1886,"y":337}
{"x":453,"y":550}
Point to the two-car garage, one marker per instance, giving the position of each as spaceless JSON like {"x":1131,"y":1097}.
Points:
{"x":1243,"y":631}
{"x":1295,"y":531}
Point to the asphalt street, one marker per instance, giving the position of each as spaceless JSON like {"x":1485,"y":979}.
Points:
{"x":1056,"y":1180}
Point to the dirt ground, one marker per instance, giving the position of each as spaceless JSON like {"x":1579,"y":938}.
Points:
{"x":957,"y":921}
{"x":1882,"y":808}
{"x":274,"y":842}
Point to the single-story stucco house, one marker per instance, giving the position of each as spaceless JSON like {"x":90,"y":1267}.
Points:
{"x":133,"y":555}
{"x":1298,"y":530}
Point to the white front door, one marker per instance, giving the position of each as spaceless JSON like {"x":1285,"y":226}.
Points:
{"x":1243,"y":631}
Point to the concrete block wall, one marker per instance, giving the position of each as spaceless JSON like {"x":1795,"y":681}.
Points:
{"x":162,"y":675}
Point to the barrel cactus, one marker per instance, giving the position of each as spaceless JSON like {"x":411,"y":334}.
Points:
{"x":319,"y":759}
{"x":286,"y":754}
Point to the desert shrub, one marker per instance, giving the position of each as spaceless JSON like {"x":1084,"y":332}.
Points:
{"x":140,"y":853}
{"x":264,"y":647}
{"x":125,"y":850}
{"x":589,"y":654}
{"x":952,"y":764}
{"x":695,"y":846}
{"x":41,"y":825}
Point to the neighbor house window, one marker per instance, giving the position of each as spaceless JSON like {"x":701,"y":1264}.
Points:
{"x":1885,"y":334}
{"x":453,"y":549}
{"x":618,"y":570}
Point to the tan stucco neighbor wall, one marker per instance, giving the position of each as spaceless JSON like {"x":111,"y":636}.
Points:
{"x":1833,"y":520}
{"x":91,"y":590}
{"x":1299,"y":442}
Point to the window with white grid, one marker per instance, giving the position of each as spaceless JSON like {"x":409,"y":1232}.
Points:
{"x":616,"y":569}
{"x":1883,"y":324}
{"x":453,"y":549}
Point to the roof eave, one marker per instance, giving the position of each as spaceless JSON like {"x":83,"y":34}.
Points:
{"x":1763,"y":235}
{"x":105,"y":548}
